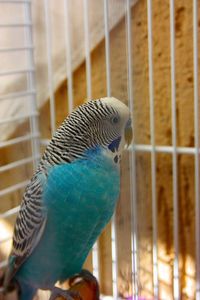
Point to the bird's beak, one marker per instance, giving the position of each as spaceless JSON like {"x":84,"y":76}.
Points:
{"x":128,"y":135}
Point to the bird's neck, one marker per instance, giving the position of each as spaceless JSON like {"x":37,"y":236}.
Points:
{"x":103,"y":152}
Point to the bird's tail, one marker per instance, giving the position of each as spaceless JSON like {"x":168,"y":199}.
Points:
{"x":2,"y":275}
{"x":22,"y":291}
{"x":11,"y":289}
{"x":26,"y":292}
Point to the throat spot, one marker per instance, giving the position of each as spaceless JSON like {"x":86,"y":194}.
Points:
{"x":114,"y":146}
{"x":116,"y":159}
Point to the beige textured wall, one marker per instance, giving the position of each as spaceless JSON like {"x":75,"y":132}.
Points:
{"x":163,"y":135}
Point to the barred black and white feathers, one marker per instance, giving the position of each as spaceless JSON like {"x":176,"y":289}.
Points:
{"x":97,"y":123}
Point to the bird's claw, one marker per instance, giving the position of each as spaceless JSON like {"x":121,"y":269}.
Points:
{"x":85,"y":275}
{"x":68,"y":295}
{"x":88,"y":277}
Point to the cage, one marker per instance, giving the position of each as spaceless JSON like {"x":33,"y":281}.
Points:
{"x":56,"y":54}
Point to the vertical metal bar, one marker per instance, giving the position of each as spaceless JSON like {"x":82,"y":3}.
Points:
{"x":174,"y":154}
{"x":196,"y":130}
{"x":153,"y":153}
{"x":114,"y":258}
{"x":132,"y":158}
{"x":95,"y":260}
{"x":31,"y":85}
{"x":108,"y":84}
{"x":50,"y":68}
{"x":107,"y":48}
{"x":68,"y":45}
{"x":95,"y":252}
{"x":87,"y":50}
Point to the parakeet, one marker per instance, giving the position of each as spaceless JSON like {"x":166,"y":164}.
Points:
{"x":70,"y":198}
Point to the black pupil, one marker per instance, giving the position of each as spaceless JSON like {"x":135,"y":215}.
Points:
{"x":115,"y":120}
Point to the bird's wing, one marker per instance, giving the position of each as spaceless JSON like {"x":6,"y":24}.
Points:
{"x":29,"y":225}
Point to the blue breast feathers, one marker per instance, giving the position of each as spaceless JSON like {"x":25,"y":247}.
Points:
{"x":80,"y":199}
{"x":95,"y":178}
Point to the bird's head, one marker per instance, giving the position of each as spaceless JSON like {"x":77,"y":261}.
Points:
{"x":118,"y":123}
{"x":104,"y":123}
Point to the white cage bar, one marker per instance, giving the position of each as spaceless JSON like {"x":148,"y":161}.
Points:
{"x":196,"y":129}
{"x":30,"y":86}
{"x":15,"y":1}
{"x":17,"y":140}
{"x":13,"y":188}
{"x":14,"y":25}
{"x":174,"y":154}
{"x":95,"y":251}
{"x":107,"y":48}
{"x":16,"y":72}
{"x":50,"y":67}
{"x":17,"y":118}
{"x":10,"y":212}
{"x":87,"y":50}
{"x":108,"y":86}
{"x":68,"y":57}
{"x":153,"y":153}
{"x":17,"y":95}
{"x":134,"y":234}
{"x":16,"y":48}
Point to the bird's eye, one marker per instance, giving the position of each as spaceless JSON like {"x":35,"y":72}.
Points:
{"x":115,"y":120}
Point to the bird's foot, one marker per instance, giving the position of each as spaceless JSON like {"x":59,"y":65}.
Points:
{"x":84,"y":275}
{"x":89,"y":278}
{"x":68,"y":295}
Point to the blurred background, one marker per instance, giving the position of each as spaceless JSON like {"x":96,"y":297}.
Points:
{"x":54,"y":55}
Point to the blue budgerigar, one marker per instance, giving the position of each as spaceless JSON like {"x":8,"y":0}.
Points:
{"x":70,"y":198}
